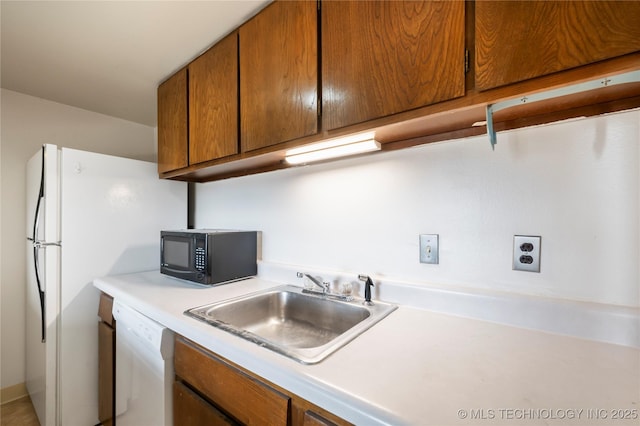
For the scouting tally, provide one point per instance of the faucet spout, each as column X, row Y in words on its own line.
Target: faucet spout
column 326, row 289
column 314, row 280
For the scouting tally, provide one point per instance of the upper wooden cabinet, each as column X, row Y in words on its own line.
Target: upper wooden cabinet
column 213, row 102
column 519, row 40
column 172, row 123
column 399, row 68
column 279, row 74
column 384, row 57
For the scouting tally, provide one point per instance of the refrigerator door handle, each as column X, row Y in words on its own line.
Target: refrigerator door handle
column 40, row 292
column 36, row 247
column 42, row 244
column 36, row 216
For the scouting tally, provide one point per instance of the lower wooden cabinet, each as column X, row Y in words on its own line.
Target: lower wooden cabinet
column 241, row 396
column 313, row 419
column 213, row 391
column 190, row 409
column 106, row 361
column 310, row 417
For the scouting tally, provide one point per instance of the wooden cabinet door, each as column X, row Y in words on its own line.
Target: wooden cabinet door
column 172, row 123
column 518, row 40
column 189, row 409
column 106, row 360
column 213, row 102
column 314, row 419
column 304, row 413
column 384, row 57
column 105, row 306
column 106, row 373
column 244, row 398
column 279, row 74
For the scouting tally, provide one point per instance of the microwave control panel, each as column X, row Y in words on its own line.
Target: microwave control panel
column 200, row 258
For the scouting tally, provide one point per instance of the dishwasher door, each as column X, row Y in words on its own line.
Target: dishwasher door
column 144, row 369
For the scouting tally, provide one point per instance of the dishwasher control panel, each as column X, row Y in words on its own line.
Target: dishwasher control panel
column 153, row 334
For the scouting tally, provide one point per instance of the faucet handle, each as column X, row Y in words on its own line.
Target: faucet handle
column 346, row 289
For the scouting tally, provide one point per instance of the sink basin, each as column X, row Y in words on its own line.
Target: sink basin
column 302, row 326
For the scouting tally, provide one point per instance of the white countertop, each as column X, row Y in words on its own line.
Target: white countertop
column 417, row 366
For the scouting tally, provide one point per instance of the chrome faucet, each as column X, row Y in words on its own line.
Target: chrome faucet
column 325, row 286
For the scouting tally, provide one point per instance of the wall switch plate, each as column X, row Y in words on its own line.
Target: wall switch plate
column 526, row 253
column 429, row 248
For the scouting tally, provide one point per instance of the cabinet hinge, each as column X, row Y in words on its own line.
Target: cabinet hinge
column 466, row 61
column 319, row 107
column 318, row 2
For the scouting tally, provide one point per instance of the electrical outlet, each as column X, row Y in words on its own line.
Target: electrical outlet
column 526, row 253
column 429, row 248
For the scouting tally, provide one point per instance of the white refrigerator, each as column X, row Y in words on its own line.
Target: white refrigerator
column 89, row 215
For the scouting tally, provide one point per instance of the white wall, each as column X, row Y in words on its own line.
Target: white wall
column 27, row 123
column 576, row 184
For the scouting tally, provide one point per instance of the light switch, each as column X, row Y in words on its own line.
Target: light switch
column 429, row 248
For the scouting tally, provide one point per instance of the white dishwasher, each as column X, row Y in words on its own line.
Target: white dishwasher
column 144, row 369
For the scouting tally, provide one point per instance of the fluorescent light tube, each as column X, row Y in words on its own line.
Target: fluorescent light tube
column 342, row 147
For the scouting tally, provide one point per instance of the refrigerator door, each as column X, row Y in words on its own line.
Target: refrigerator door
column 43, row 260
column 112, row 212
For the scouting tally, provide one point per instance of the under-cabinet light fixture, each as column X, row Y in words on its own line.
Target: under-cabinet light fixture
column 340, row 147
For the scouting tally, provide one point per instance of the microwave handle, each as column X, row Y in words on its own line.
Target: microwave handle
column 178, row 271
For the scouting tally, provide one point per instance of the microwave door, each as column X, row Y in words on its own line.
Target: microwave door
column 176, row 254
column 178, row 258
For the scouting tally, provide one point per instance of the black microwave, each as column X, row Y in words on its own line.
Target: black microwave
column 209, row 256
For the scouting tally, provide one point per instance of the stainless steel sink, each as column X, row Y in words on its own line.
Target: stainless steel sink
column 305, row 327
